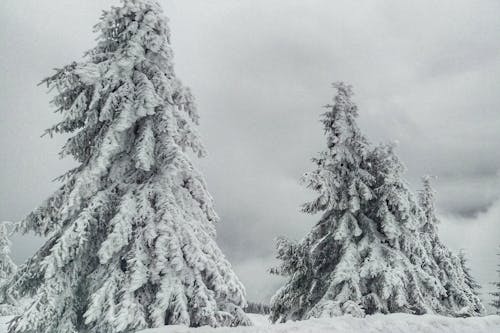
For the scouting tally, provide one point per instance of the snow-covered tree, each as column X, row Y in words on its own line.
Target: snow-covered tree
column 405, row 273
column 131, row 231
column 495, row 302
column 7, row 266
column 469, row 278
column 257, row 307
column 367, row 253
column 461, row 298
column 7, row 270
column 322, row 267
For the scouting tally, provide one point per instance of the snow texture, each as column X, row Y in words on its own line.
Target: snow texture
column 392, row 323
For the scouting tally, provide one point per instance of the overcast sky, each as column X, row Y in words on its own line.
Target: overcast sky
column 426, row 74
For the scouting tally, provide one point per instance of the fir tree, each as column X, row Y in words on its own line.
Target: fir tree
column 367, row 254
column 8, row 306
column 495, row 302
column 461, row 298
column 131, row 231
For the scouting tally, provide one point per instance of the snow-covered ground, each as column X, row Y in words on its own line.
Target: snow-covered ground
column 394, row 323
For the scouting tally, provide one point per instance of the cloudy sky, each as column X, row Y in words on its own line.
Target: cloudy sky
column 425, row 75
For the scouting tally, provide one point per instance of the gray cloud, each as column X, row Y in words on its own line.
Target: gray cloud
column 425, row 74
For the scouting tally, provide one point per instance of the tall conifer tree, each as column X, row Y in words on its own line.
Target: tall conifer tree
column 131, row 232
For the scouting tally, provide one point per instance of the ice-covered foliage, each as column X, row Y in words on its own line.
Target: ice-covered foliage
column 8, row 305
column 131, row 231
column 495, row 302
column 373, row 250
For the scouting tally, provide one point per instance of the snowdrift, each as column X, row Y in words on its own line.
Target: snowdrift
column 393, row 323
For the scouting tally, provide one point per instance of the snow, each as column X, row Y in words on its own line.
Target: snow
column 393, row 323
column 3, row 323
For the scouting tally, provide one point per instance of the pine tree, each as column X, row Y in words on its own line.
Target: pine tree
column 131, row 231
column 461, row 298
column 495, row 302
column 8, row 268
column 366, row 254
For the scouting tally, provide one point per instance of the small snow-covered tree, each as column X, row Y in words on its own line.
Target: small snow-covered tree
column 131, row 232
column 469, row 278
column 7, row 270
column 257, row 307
column 461, row 297
column 495, row 302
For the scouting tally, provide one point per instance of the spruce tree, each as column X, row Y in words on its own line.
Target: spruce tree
column 368, row 252
column 495, row 302
column 461, row 298
column 131, row 231
column 8, row 268
column 322, row 267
